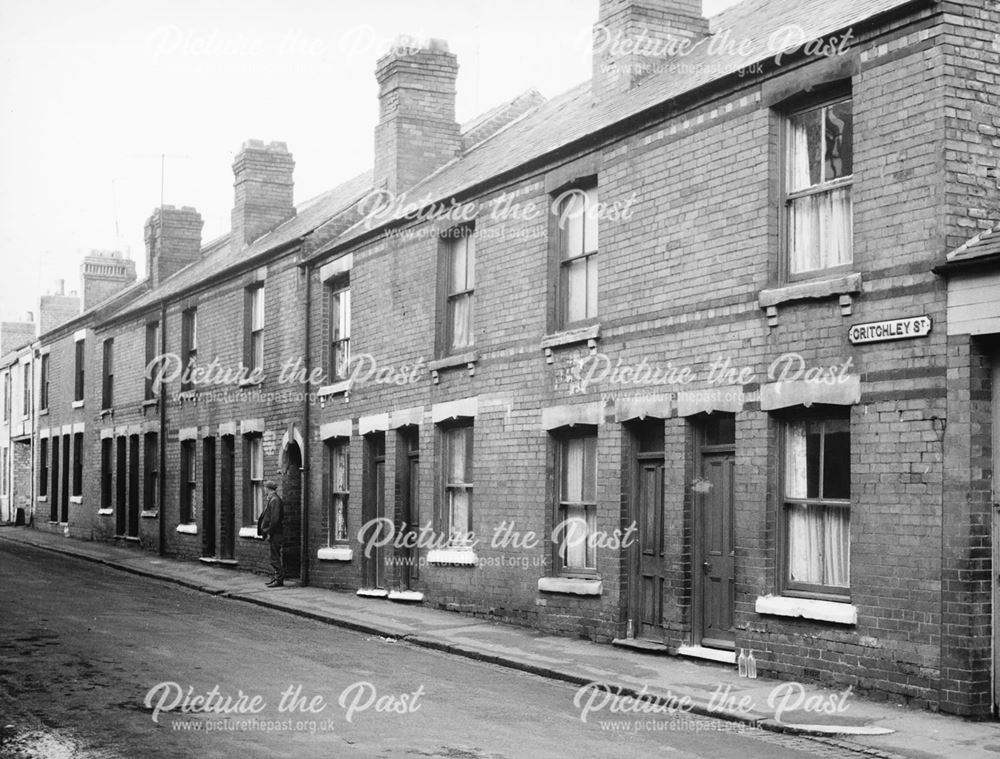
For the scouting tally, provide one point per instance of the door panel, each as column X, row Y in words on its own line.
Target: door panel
column 208, row 516
column 227, row 521
column 650, row 567
column 715, row 507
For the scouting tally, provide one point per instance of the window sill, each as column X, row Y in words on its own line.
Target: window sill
column 78, row 404
column 573, row 586
column 337, row 388
column 76, row 499
column 43, row 499
column 152, row 402
column 250, row 532
column 459, row 557
column 149, row 514
column 808, row 608
column 107, row 412
column 335, row 553
column 467, row 359
column 188, row 529
column 43, row 412
column 588, row 334
column 105, row 512
column 844, row 286
column 244, row 384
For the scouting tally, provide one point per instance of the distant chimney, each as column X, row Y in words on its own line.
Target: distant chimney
column 103, row 274
column 263, row 183
column 416, row 133
column 57, row 309
column 173, row 240
column 636, row 38
column 14, row 335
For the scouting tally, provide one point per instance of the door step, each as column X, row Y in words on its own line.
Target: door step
column 373, row 593
column 712, row 654
column 646, row 646
column 406, row 596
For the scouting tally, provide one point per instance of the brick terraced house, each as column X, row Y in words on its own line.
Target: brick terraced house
column 698, row 356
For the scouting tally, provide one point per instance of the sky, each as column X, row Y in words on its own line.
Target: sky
column 108, row 108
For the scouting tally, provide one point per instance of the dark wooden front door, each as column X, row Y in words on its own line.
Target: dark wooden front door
column 373, row 508
column 291, row 491
column 227, row 498
column 649, row 567
column 714, row 535
column 208, row 515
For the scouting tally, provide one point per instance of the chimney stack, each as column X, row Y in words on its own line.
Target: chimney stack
column 103, row 274
column 173, row 240
column 416, row 133
column 263, row 184
column 635, row 38
column 57, row 309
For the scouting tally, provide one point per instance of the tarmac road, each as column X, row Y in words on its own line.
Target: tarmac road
column 89, row 656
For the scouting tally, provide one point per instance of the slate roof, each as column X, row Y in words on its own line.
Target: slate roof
column 981, row 246
column 219, row 255
column 576, row 114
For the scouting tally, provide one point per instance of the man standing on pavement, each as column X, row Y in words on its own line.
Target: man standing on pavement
column 270, row 526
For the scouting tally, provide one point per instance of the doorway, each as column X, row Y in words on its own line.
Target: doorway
column 714, row 550
column 208, row 515
column 648, row 565
column 291, row 490
column 373, row 508
column 227, row 498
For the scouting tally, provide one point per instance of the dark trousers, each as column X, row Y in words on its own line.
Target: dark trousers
column 277, row 565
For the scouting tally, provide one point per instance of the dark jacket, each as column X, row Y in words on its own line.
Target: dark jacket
column 271, row 519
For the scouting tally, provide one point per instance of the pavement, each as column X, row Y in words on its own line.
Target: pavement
column 617, row 676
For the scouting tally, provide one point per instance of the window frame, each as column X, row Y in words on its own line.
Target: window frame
column 189, row 345
column 79, row 370
column 108, row 374
column 151, row 389
column 107, row 472
column 253, row 501
column 338, row 338
column 77, row 485
column 466, row 427
column 255, row 316
column 26, row 390
column 151, row 472
column 561, row 262
column 338, row 501
column 786, row 586
column 561, row 438
column 188, row 482
column 7, row 385
column 43, row 467
column 43, row 383
column 825, row 97
column 461, row 236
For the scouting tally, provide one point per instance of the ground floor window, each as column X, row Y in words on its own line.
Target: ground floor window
column 457, row 512
column 576, row 503
column 254, row 505
column 817, row 505
column 338, row 461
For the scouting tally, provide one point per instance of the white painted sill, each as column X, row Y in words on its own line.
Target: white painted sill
column 188, row 529
column 250, row 532
column 76, row 499
column 43, row 499
column 573, row 586
column 337, row 388
column 373, row 593
column 105, row 512
column 77, row 404
column 149, row 514
column 335, row 553
column 458, row 557
column 808, row 608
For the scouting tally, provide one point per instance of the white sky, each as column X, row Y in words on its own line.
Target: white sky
column 91, row 95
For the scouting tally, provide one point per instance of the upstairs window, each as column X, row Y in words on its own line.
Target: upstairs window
column 576, row 214
column 108, row 387
column 340, row 331
column 189, row 345
column 79, row 371
column 43, row 385
column 25, row 390
column 255, row 328
column 152, row 351
column 460, row 254
column 819, row 168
